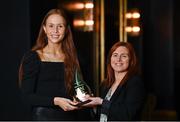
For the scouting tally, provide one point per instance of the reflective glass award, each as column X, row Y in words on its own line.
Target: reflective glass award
column 81, row 89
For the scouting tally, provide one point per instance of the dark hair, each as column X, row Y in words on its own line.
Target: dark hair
column 133, row 64
column 71, row 61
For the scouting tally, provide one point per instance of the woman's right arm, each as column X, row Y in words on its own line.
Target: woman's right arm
column 30, row 67
column 65, row 104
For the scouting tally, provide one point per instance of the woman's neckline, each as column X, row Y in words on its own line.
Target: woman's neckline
column 44, row 61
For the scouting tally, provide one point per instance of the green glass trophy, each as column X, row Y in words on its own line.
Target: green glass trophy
column 81, row 89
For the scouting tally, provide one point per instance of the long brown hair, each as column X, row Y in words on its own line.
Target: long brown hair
column 133, row 64
column 71, row 61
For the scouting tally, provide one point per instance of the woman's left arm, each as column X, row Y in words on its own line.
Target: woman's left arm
column 129, row 105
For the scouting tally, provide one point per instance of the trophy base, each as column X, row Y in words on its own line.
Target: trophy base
column 82, row 103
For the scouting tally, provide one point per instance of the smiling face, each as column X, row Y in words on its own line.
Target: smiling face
column 55, row 28
column 120, row 59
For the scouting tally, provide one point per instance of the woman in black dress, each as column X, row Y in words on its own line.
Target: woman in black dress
column 47, row 71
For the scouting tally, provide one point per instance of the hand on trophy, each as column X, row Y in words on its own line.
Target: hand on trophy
column 94, row 101
column 65, row 104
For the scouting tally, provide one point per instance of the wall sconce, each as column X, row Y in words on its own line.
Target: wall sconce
column 79, row 6
column 133, row 23
column 134, row 15
column 132, row 29
column 83, row 22
column 83, row 14
column 89, row 5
